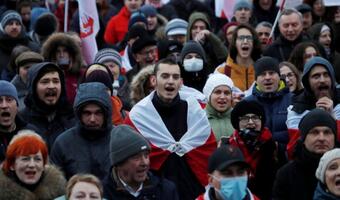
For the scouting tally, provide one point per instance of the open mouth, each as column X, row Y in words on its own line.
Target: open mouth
column 169, row 89
column 5, row 114
column 51, row 93
column 30, row 173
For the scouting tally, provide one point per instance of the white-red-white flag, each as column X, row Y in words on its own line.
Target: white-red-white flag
column 89, row 27
column 224, row 8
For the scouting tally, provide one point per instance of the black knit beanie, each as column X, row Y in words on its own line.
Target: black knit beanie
column 246, row 107
column 316, row 117
column 266, row 63
column 101, row 77
column 192, row 47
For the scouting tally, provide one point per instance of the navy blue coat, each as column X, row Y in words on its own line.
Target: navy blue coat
column 275, row 106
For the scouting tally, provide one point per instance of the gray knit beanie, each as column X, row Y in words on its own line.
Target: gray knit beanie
column 324, row 162
column 8, row 16
column 8, row 89
column 126, row 142
column 108, row 54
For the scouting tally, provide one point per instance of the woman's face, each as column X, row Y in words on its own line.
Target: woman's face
column 85, row 190
column 220, row 98
column 290, row 78
column 29, row 168
column 318, row 8
column 332, row 177
column 310, row 52
column 229, row 33
column 244, row 43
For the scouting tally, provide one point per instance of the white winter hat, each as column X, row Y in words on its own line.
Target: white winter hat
column 214, row 81
column 324, row 162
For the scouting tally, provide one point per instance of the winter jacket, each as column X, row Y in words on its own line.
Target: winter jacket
column 50, row 121
column 6, row 137
column 117, row 27
column 322, row 193
column 51, row 185
column 22, row 90
column 84, row 150
column 296, row 179
column 262, row 160
column 242, row 76
column 281, row 47
column 219, row 122
column 7, row 44
column 216, row 52
column 275, row 105
column 154, row 188
column 74, row 72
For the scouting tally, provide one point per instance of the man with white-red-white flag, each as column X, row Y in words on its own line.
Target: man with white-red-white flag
column 178, row 131
column 89, row 27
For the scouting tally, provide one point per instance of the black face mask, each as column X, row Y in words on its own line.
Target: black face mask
column 249, row 137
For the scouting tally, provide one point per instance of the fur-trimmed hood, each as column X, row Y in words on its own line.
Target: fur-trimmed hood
column 138, row 83
column 50, row 46
column 51, row 186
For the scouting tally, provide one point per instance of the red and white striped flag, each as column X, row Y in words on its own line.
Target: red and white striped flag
column 89, row 27
column 224, row 8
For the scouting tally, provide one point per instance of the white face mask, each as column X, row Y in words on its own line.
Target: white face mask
column 193, row 64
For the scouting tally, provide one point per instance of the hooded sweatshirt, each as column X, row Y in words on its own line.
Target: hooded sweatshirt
column 87, row 149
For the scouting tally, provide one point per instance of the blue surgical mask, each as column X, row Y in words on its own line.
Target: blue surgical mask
column 234, row 188
column 193, row 64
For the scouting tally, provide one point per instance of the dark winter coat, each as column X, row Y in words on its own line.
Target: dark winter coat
column 281, row 47
column 275, row 106
column 50, row 121
column 296, row 179
column 80, row 150
column 22, row 90
column 154, row 188
column 7, row 44
column 6, row 137
column 51, row 185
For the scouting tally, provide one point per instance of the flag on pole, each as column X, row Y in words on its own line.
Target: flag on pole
column 271, row 36
column 224, row 8
column 89, row 27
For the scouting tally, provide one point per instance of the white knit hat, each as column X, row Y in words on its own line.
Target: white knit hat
column 215, row 80
column 324, row 162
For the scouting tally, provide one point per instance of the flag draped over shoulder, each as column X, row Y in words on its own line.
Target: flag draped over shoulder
column 224, row 8
column 89, row 27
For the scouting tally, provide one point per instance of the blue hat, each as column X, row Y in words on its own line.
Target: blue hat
column 242, row 4
column 148, row 10
column 8, row 89
column 137, row 16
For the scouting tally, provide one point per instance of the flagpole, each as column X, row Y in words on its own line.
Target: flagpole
column 276, row 21
column 66, row 16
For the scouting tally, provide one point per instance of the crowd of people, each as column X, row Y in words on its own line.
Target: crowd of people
column 177, row 103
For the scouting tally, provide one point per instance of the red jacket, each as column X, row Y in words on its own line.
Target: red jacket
column 117, row 27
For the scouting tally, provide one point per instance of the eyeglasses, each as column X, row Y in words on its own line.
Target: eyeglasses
column 245, row 37
column 246, row 118
column 289, row 75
